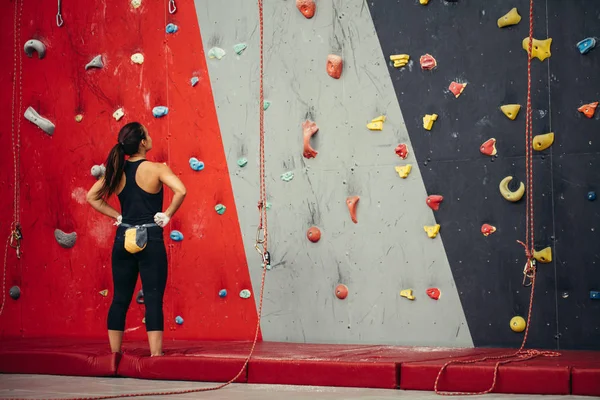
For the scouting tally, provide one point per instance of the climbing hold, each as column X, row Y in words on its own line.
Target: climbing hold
column 195, row 164
column 404, row 170
column 402, row 151
column 407, row 293
column 313, row 234
column 95, row 63
column 136, row 3
column 427, row 62
column 542, row 142
column 287, row 176
column 104, row 292
column 588, row 109
column 432, row 231
column 242, row 162
column 434, row 293
column 510, row 18
column 137, row 58
column 457, row 88
column 266, row 104
column 540, row 49
column 428, row 121
column 239, row 48
column 433, row 201
column 32, row 116
column 334, row 66
column 400, row 60
column 511, row 110
column 171, row 28
column 309, row 128
column 341, row 291
column 98, row 171
column 245, row 294
column 591, row 196
column 352, row 203
column 507, row 193
column 306, row 7
column 487, row 229
column 194, row 81
column 176, row 236
column 220, row 209
column 140, row 297
column 78, row 118
column 424, row 2
column 216, row 52
column 594, row 295
column 14, row 292
column 543, row 256
column 118, row 114
column 160, row 111
column 268, row 206
column 517, row 324
column 35, row 45
column 376, row 124
column 144, row 320
column 586, row 44
column 66, row 240
column 222, row 293
column 489, row 147
column 178, row 320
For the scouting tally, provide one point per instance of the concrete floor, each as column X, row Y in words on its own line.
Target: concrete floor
column 54, row 387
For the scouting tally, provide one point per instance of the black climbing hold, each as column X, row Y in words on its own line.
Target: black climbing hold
column 140, row 297
column 267, row 258
column 15, row 292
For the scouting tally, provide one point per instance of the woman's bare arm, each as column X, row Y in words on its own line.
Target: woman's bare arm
column 168, row 178
column 100, row 205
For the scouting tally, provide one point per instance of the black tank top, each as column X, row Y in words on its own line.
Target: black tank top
column 138, row 206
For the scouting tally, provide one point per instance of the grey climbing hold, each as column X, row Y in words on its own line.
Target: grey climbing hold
column 242, row 162
column 95, row 63
column 216, row 52
column 66, row 240
column 239, row 48
column 172, row 28
column 266, row 104
column 245, row 294
column 98, row 171
column 140, row 297
column 15, row 292
column 160, row 111
column 42, row 123
column 287, row 176
column 194, row 81
column 35, row 45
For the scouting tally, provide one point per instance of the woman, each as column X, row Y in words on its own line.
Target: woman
column 138, row 246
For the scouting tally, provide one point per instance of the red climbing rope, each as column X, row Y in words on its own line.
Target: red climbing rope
column 530, row 271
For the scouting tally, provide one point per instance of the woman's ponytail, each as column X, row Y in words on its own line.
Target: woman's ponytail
column 115, row 164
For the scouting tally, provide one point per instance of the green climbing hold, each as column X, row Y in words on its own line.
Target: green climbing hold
column 266, row 104
column 239, row 48
column 287, row 176
column 242, row 162
column 220, row 209
column 216, row 52
column 268, row 205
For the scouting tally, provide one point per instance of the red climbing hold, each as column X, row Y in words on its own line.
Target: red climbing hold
column 434, row 201
column 457, row 88
column 334, row 66
column 309, row 128
column 341, row 291
column 351, row 202
column 487, row 229
column 428, row 62
column 313, row 234
column 434, row 293
column 402, row 151
column 489, row 147
column 306, row 7
column 588, row 109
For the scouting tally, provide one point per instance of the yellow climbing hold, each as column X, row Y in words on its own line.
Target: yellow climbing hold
column 428, row 121
column 510, row 18
column 424, row 2
column 432, row 231
column 400, row 60
column 377, row 123
column 539, row 48
column 542, row 142
column 507, row 193
column 543, row 256
column 517, row 324
column 407, row 293
column 104, row 292
column 511, row 110
column 78, row 118
column 404, row 171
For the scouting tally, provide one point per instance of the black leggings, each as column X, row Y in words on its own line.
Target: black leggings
column 151, row 264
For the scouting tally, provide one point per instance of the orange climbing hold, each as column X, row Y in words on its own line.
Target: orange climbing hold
column 334, row 66
column 427, row 62
column 309, row 128
column 457, row 88
column 489, row 147
column 314, row 234
column 434, row 201
column 306, row 7
column 352, row 202
column 341, row 291
column 434, row 293
column 588, row 109
column 402, row 151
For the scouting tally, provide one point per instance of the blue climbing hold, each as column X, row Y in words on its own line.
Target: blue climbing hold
column 172, row 28
column 222, row 293
column 196, row 164
column 176, row 236
column 194, row 80
column 160, row 111
column 220, row 209
column 591, row 196
column 178, row 320
column 594, row 295
column 586, row 45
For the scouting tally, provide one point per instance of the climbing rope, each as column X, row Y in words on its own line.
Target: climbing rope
column 530, row 269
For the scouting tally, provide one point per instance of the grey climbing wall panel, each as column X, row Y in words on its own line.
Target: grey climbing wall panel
column 388, row 249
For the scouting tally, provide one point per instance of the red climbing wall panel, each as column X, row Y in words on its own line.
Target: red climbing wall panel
column 60, row 287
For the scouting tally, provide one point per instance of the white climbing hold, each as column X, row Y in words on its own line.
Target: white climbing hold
column 95, row 63
column 42, row 123
column 35, row 45
column 66, row 240
column 245, row 294
column 239, row 48
column 118, row 114
column 137, row 58
column 136, row 3
column 98, row 171
column 194, row 81
column 216, row 52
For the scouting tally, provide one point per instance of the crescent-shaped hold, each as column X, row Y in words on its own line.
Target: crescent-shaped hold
column 507, row 193
column 35, row 45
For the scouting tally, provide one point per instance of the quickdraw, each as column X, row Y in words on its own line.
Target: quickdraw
column 529, row 272
column 59, row 19
column 15, row 239
column 172, row 7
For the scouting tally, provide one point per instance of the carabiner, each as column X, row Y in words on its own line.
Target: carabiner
column 172, row 7
column 528, row 272
column 59, row 19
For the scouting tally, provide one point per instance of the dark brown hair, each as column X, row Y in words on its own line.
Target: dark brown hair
column 128, row 143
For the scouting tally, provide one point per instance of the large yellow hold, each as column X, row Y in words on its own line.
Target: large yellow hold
column 407, row 293
column 432, row 231
column 400, row 60
column 539, row 48
column 518, row 324
column 542, row 142
column 543, row 256
column 428, row 121
column 404, row 171
column 376, row 124
column 510, row 18
column 511, row 110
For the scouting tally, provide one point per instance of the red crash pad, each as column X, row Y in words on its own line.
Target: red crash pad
column 60, row 356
